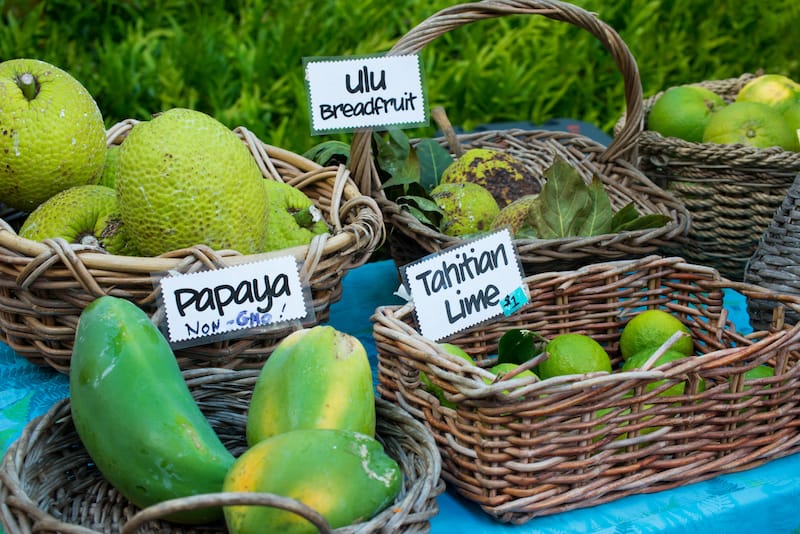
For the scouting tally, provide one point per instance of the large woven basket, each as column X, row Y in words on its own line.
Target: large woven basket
column 522, row 447
column 48, row 483
column 731, row 191
column 45, row 286
column 409, row 239
column 775, row 264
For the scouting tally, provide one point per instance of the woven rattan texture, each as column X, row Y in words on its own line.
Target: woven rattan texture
column 731, row 191
column 522, row 448
column 409, row 239
column 47, row 479
column 45, row 286
column 775, row 264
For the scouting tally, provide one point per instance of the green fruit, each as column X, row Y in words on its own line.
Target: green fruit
column 135, row 414
column 792, row 117
column 503, row 175
column 515, row 215
column 52, row 135
column 467, row 208
column 504, row 368
column 108, row 177
column 185, row 179
column 345, row 476
column 573, row 353
column 84, row 214
column 429, row 386
column 750, row 123
column 316, row 377
column 775, row 90
column 652, row 328
column 293, row 219
column 684, row 112
column 637, row 360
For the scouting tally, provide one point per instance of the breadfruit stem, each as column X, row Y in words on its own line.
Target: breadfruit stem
column 440, row 117
column 28, row 85
column 306, row 217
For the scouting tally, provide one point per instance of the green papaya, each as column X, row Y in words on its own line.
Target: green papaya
column 135, row 414
column 316, row 377
column 345, row 476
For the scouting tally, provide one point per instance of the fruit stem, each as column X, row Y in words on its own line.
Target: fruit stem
column 440, row 117
column 306, row 217
column 28, row 85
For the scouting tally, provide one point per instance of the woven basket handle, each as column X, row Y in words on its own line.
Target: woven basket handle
column 211, row 500
column 624, row 143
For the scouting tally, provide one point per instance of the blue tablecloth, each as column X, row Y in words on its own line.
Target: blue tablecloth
column 758, row 500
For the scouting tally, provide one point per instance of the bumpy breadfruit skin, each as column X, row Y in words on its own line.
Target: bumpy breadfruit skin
column 499, row 172
column 515, row 214
column 467, row 208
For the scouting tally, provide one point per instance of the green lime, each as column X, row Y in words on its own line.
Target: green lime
column 571, row 354
column 683, row 112
column 775, row 90
column 651, row 328
column 429, row 386
column 640, row 358
column 752, row 124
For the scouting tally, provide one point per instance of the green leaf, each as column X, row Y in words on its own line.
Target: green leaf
column 598, row 221
column 329, row 153
column 624, row 216
column 564, row 203
column 519, row 345
column 433, row 160
column 391, row 151
column 651, row 220
column 423, row 209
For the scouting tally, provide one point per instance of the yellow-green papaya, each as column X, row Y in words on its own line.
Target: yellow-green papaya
column 135, row 414
column 345, row 476
column 317, row 377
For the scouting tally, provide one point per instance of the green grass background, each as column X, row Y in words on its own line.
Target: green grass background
column 242, row 61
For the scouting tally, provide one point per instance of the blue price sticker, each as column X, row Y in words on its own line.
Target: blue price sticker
column 514, row 301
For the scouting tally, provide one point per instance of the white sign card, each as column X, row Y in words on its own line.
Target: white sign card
column 352, row 92
column 466, row 285
column 229, row 302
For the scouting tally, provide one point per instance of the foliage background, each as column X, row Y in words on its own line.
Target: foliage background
column 242, row 61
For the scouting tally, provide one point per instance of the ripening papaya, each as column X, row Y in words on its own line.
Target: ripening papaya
column 135, row 414
column 317, row 377
column 346, row 476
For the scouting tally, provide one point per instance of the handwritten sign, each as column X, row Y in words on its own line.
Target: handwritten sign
column 231, row 301
column 465, row 285
column 348, row 93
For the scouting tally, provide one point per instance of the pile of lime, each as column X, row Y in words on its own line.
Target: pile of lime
column 764, row 113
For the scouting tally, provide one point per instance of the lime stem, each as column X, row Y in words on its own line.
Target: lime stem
column 306, row 217
column 28, row 85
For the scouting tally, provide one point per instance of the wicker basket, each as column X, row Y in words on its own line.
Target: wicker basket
column 731, row 191
column 409, row 239
column 523, row 448
column 45, row 286
column 775, row 264
column 48, row 484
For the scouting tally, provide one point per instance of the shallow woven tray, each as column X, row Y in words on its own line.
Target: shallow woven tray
column 775, row 264
column 47, row 483
column 409, row 239
column 44, row 286
column 732, row 191
column 576, row 441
